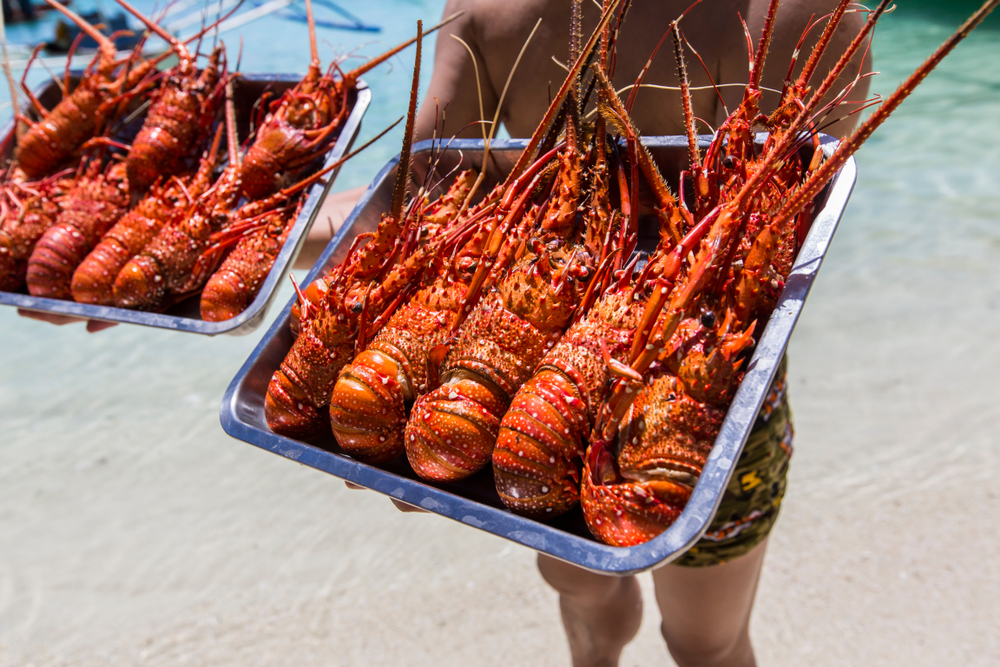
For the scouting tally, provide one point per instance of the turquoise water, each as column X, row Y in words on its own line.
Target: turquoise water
column 132, row 526
column 929, row 177
column 281, row 46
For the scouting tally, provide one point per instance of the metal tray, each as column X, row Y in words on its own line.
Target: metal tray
column 185, row 316
column 474, row 501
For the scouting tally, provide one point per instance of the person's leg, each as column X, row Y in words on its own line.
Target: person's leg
column 601, row 613
column 706, row 610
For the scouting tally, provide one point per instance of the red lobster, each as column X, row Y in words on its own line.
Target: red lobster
column 338, row 309
column 83, row 113
column 302, row 123
column 634, row 486
column 99, row 198
column 452, row 430
column 181, row 115
column 94, row 279
column 21, row 229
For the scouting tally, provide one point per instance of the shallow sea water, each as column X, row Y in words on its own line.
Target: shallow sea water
column 134, row 531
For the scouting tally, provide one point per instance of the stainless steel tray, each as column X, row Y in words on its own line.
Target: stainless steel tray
column 474, row 501
column 185, row 316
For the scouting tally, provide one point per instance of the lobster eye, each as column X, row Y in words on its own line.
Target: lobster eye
column 356, row 307
column 708, row 319
column 729, row 162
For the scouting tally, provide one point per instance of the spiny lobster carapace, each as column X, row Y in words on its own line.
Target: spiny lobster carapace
column 452, row 430
column 181, row 115
column 335, row 310
column 653, row 435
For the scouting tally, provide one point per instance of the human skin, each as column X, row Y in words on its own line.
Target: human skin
column 705, row 611
column 495, row 31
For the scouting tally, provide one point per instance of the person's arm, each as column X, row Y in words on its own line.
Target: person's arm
column 451, row 94
column 449, row 97
column 792, row 18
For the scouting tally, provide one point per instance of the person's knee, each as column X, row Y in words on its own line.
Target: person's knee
column 572, row 581
column 708, row 649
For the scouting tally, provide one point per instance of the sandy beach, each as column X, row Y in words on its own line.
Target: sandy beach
column 133, row 531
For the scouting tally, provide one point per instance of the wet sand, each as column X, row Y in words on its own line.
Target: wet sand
column 133, row 531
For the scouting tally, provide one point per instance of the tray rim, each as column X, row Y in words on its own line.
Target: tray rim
column 585, row 553
column 251, row 318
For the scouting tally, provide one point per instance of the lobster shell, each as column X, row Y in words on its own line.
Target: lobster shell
column 88, row 212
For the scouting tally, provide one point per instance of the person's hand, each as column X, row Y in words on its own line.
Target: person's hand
column 400, row 505
column 93, row 326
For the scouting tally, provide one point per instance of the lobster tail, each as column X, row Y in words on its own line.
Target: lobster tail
column 536, row 463
column 303, row 384
column 94, row 279
column 368, row 410
column 56, row 255
column 452, row 430
column 140, row 285
column 225, row 296
column 627, row 514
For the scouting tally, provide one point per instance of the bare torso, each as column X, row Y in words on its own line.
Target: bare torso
column 496, row 30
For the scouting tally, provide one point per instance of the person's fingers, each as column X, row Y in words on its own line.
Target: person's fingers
column 93, row 326
column 400, row 505
column 48, row 317
column 403, row 507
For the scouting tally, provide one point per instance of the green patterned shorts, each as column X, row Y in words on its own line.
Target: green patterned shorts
column 751, row 502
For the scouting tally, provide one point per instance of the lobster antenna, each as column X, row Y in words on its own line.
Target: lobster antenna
column 682, row 74
column 849, row 146
column 375, row 62
column 762, row 47
column 232, row 135
column 314, row 51
column 403, row 170
column 790, row 135
column 560, row 96
column 182, row 53
column 810, row 67
column 103, row 43
column 178, row 46
column 575, row 36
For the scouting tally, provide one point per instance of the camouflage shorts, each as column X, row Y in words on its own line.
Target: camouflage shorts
column 751, row 502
